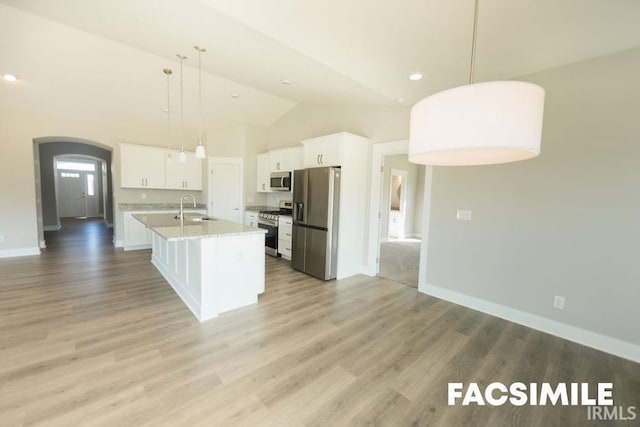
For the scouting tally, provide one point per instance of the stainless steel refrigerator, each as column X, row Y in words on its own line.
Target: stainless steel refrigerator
column 316, row 197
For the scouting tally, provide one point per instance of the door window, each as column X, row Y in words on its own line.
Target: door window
column 91, row 185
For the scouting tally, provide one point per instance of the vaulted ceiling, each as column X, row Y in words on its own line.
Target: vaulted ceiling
column 341, row 51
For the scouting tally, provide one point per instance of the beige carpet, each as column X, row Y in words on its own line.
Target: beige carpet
column 399, row 261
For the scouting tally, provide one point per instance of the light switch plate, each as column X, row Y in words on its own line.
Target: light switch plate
column 463, row 215
column 558, row 302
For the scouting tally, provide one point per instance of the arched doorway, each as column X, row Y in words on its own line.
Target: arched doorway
column 49, row 150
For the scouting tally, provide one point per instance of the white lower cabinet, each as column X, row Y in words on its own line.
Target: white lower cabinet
column 285, row 232
column 251, row 218
column 136, row 235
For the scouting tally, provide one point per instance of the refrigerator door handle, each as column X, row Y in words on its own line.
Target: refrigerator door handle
column 298, row 212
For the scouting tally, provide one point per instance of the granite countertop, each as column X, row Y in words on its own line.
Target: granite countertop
column 158, row 206
column 169, row 228
column 258, row 208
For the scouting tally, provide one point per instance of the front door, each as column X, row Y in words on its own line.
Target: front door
column 77, row 191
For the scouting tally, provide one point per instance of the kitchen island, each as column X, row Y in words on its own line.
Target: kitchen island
column 213, row 265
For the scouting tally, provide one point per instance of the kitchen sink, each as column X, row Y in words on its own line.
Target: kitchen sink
column 200, row 218
column 196, row 218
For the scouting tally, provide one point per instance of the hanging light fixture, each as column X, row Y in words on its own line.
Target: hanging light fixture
column 168, row 72
column 182, row 157
column 200, row 151
column 477, row 124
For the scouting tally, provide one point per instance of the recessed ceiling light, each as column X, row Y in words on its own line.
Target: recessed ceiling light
column 415, row 76
column 10, row 77
column 235, row 95
column 286, row 82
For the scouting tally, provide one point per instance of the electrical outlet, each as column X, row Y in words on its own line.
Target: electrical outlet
column 143, row 196
column 463, row 215
column 558, row 302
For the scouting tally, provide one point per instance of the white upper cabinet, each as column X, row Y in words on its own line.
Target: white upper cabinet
column 324, row 150
column 263, row 173
column 286, row 159
column 141, row 167
column 184, row 176
column 281, row 160
column 147, row 167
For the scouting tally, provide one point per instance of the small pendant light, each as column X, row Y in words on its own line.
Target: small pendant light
column 168, row 72
column 182, row 157
column 200, row 151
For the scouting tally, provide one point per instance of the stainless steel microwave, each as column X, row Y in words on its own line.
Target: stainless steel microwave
column 280, row 181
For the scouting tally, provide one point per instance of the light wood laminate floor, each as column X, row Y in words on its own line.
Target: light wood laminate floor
column 94, row 336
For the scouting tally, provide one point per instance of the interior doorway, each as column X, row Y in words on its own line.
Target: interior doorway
column 397, row 209
column 226, row 193
column 89, row 173
column 400, row 228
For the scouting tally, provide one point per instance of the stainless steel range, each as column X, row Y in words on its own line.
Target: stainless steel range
column 268, row 220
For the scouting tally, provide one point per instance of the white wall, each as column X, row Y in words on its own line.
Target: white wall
column 376, row 122
column 566, row 223
column 241, row 141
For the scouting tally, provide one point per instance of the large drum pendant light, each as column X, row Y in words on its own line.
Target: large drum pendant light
column 477, row 124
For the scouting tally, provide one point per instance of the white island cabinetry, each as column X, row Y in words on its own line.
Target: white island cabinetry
column 213, row 265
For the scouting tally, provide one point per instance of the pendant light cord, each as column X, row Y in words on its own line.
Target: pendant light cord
column 200, row 50
column 200, row 96
column 182, row 58
column 168, row 73
column 473, row 42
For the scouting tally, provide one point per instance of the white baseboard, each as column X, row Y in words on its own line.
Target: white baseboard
column 52, row 227
column 595, row 340
column 117, row 243
column 10, row 253
column 368, row 270
column 136, row 248
column 43, row 244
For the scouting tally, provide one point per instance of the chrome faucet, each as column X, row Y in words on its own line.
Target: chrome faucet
column 181, row 214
